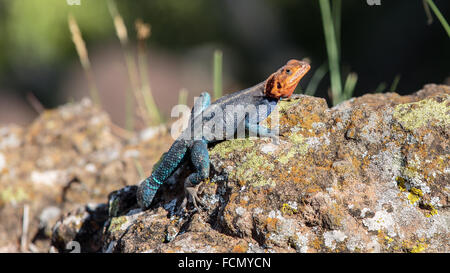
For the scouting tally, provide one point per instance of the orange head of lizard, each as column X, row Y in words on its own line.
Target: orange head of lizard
column 282, row 83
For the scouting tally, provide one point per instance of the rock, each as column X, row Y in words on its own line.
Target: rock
column 66, row 158
column 122, row 201
column 368, row 175
column 47, row 220
column 81, row 229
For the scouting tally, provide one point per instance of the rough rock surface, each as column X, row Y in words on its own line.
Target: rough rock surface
column 66, row 158
column 369, row 175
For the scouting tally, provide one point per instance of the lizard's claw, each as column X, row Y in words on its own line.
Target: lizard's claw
column 191, row 195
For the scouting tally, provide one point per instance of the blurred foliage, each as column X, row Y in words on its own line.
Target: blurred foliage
column 35, row 31
column 36, row 47
column 179, row 23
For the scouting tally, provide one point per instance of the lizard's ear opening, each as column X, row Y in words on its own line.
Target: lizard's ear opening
column 269, row 86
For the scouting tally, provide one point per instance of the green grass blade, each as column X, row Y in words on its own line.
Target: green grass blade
column 380, row 88
column 336, row 10
column 350, row 84
column 218, row 56
column 143, row 31
column 440, row 17
column 183, row 96
column 395, row 83
column 426, row 7
column 332, row 51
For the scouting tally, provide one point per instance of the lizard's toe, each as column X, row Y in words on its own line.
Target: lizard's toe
column 191, row 196
column 182, row 208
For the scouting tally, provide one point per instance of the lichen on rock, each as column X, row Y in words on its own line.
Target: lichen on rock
column 417, row 114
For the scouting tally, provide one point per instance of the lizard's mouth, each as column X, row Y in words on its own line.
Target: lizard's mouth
column 295, row 79
column 298, row 75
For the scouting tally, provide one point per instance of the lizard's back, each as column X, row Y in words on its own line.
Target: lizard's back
column 223, row 117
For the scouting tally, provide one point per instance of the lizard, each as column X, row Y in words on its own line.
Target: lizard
column 192, row 144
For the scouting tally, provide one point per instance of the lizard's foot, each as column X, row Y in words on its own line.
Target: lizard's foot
column 191, row 195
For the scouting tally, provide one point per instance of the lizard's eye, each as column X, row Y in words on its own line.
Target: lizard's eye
column 288, row 71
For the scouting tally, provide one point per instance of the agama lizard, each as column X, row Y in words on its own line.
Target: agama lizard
column 189, row 146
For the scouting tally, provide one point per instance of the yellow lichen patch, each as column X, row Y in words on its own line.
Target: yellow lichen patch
column 299, row 148
column 417, row 192
column 286, row 157
column 413, row 198
column 419, row 248
column 431, row 213
column 414, row 195
column 285, row 105
column 282, row 107
column 287, row 209
column 297, row 138
column 207, row 181
column 225, row 147
column 417, row 114
column 388, row 239
column 431, row 210
column 116, row 223
column 255, row 169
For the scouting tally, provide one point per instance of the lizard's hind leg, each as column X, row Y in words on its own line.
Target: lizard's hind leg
column 200, row 161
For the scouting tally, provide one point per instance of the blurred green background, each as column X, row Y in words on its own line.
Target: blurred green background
column 386, row 44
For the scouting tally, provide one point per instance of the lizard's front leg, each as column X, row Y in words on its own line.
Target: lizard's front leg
column 262, row 131
column 200, row 161
column 200, row 104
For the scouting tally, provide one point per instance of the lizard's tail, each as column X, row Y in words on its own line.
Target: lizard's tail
column 169, row 163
